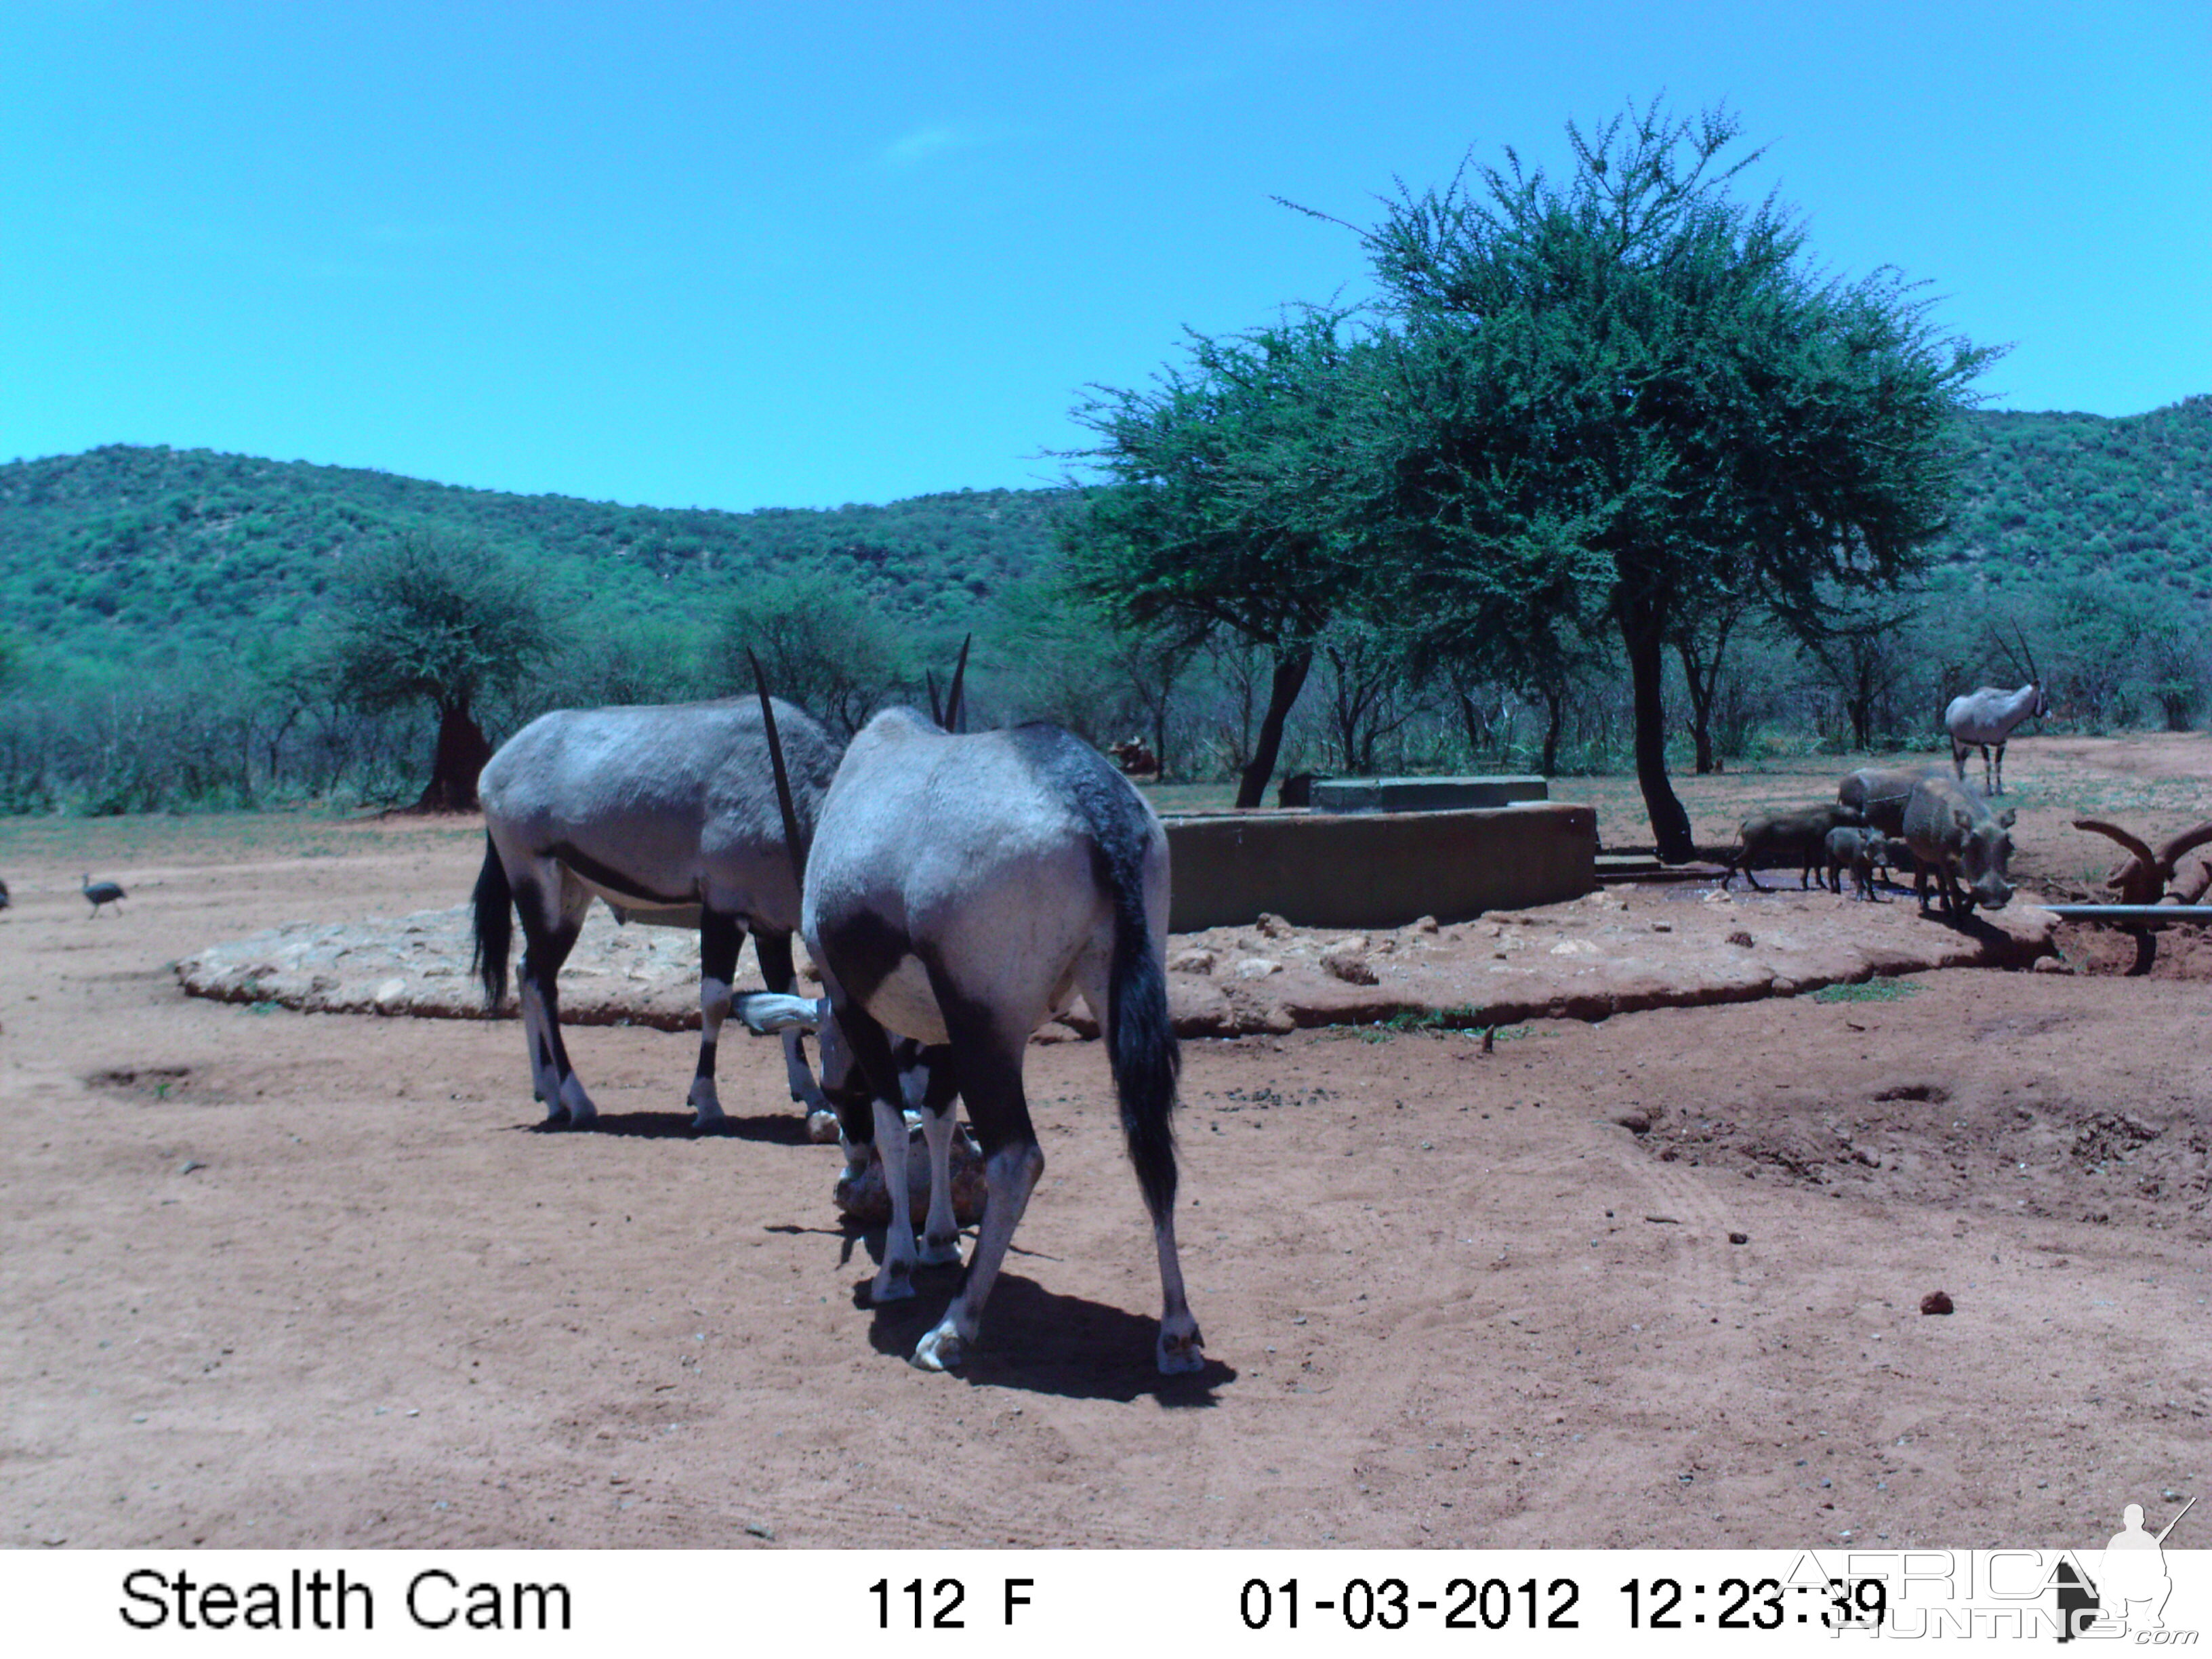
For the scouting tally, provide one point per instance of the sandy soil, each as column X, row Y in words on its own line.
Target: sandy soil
column 270, row 1278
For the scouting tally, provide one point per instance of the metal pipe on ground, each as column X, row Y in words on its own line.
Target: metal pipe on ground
column 2130, row 912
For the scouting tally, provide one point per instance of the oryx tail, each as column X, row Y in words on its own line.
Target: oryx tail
column 495, row 926
column 1140, row 1041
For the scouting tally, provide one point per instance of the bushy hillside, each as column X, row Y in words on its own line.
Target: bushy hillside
column 135, row 555
column 2050, row 496
column 151, row 554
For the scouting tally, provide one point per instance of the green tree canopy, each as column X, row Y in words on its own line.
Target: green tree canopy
column 1228, row 507
column 446, row 623
column 823, row 645
column 1634, row 387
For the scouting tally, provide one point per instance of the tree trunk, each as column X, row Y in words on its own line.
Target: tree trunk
column 462, row 753
column 1555, row 717
column 1288, row 680
column 1701, row 706
column 1642, row 632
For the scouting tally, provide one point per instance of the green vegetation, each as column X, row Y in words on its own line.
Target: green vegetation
column 1872, row 990
column 1607, row 479
column 1625, row 406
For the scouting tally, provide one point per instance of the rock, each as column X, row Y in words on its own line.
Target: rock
column 390, row 996
column 1636, row 1124
column 1347, row 961
column 1935, row 1302
column 1739, row 1239
column 1273, row 927
column 1193, row 961
column 1425, row 925
column 1257, row 967
column 2051, row 965
column 1741, row 937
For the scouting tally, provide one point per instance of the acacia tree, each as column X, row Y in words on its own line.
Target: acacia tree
column 825, row 648
column 1223, row 512
column 423, row 620
column 1631, row 379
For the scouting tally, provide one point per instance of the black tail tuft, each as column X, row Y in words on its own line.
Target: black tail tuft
column 1141, row 1040
column 495, row 904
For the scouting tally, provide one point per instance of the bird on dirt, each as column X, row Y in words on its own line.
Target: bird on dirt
column 101, row 892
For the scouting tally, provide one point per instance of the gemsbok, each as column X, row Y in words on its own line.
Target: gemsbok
column 671, row 809
column 1986, row 718
column 958, row 891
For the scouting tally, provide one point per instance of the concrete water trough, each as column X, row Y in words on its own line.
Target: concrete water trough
column 1372, row 864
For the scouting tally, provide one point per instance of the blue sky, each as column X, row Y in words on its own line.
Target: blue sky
column 742, row 256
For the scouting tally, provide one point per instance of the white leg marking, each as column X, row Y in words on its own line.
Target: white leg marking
column 1010, row 1175
column 581, row 1109
column 713, row 1008
column 895, row 1278
column 821, row 1116
column 940, row 1234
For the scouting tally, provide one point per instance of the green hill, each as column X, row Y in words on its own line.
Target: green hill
column 2046, row 497
column 146, row 556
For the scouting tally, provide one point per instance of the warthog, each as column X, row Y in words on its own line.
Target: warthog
column 1954, row 834
column 1878, row 794
column 1783, row 837
column 1861, row 852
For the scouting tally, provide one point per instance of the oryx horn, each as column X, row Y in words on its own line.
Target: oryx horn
column 791, row 838
column 936, row 708
column 2034, row 674
column 951, row 721
column 1997, row 639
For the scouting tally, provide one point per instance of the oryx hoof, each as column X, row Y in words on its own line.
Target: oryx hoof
column 822, row 1126
column 940, row 1252
column 1181, row 1352
column 941, row 1350
column 894, row 1282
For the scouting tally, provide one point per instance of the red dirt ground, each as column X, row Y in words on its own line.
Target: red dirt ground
column 268, row 1278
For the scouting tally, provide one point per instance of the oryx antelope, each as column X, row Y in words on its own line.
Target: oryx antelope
column 671, row 809
column 1986, row 718
column 958, row 891
column 1956, row 836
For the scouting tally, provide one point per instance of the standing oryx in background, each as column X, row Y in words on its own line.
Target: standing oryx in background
column 1987, row 717
column 671, row 809
column 958, row 891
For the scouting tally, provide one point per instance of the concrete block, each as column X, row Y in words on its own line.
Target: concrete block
column 1376, row 869
column 1424, row 794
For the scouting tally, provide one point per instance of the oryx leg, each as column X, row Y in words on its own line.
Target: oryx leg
column 721, row 936
column 778, row 974
column 939, row 1106
column 551, row 904
column 1181, row 1347
column 879, row 1121
column 988, row 1045
column 1997, row 788
column 1958, row 753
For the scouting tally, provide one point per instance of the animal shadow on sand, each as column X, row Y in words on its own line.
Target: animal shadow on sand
column 772, row 1129
column 1045, row 1343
